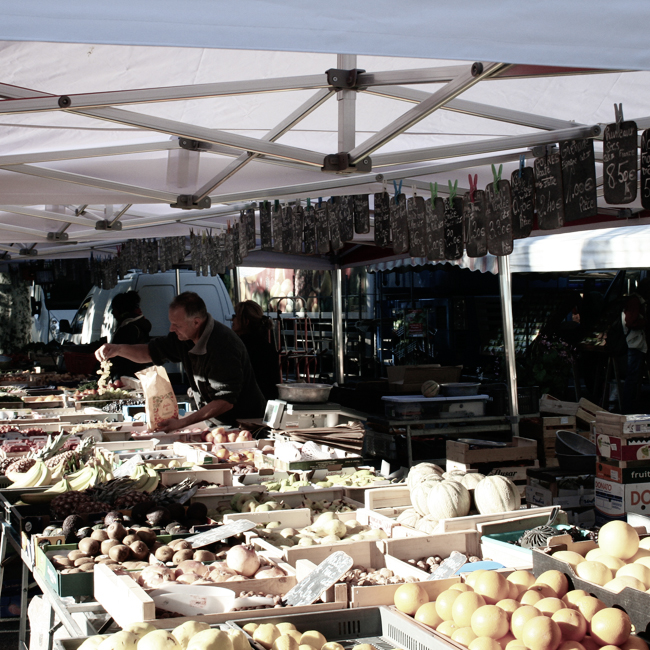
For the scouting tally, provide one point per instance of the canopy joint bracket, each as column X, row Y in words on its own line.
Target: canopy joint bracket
column 105, row 224
column 191, row 202
column 344, row 79
column 342, row 163
column 57, row 236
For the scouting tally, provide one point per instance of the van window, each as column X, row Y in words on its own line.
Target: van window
column 216, row 300
column 154, row 302
column 77, row 324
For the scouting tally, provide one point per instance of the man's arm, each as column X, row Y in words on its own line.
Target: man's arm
column 212, row 409
column 138, row 353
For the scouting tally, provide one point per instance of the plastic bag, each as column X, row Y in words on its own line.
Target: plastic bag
column 159, row 399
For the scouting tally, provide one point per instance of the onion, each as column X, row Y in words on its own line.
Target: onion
column 236, row 578
column 274, row 572
column 192, row 566
column 222, row 567
column 243, row 559
column 188, row 578
column 153, row 576
column 217, row 576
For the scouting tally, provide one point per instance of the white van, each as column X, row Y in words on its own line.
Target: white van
column 94, row 319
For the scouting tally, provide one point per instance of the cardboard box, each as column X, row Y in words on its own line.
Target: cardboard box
column 409, row 379
column 622, row 423
column 541, row 496
column 616, row 499
column 622, row 471
column 623, row 446
column 518, row 449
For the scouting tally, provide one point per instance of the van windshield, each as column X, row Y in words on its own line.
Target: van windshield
column 77, row 324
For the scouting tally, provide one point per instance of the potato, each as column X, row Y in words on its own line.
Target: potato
column 87, row 568
column 120, row 553
column 181, row 556
column 204, row 556
column 74, row 555
column 164, row 554
column 107, row 545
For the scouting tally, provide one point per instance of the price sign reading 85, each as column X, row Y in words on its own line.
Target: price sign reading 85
column 620, row 162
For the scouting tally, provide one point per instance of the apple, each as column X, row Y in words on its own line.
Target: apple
column 244, row 436
column 221, row 453
column 207, row 436
column 219, row 437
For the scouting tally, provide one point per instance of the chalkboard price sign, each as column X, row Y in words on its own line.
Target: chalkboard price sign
column 346, row 214
column 399, row 224
column 228, row 251
column 415, row 212
column 578, row 179
column 320, row 579
column 236, row 250
column 523, row 202
column 434, row 229
column 620, row 162
column 645, row 169
column 549, row 198
column 361, row 214
column 309, row 230
column 335, row 224
column 382, row 219
column 454, row 237
column 475, row 224
column 323, row 228
column 220, row 263
column 249, row 220
column 298, row 229
column 243, row 244
column 276, row 216
column 498, row 213
column 287, row 228
column 266, row 227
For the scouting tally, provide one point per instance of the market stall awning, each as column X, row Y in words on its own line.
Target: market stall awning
column 599, row 33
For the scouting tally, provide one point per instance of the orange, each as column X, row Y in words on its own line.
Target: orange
column 571, row 645
column 611, row 562
column 471, row 576
column 594, row 572
column 544, row 590
column 521, row 617
column 492, row 586
column 427, row 615
column 610, row 626
column 638, row 571
column 548, row 606
column 642, row 552
column 484, row 643
column 530, row 597
column 570, row 557
column 644, row 560
column 573, row 624
column 541, row 633
column 410, row 597
column 515, row 645
column 514, row 590
column 461, row 586
column 556, row 580
column 622, row 582
column 572, row 596
column 523, row 579
column 588, row 606
column 589, row 643
column 634, row 643
column 464, row 606
column 594, row 553
column 609, row 647
column 491, row 621
column 619, row 539
column 463, row 635
column 505, row 640
column 444, row 602
column 508, row 605
column 447, row 628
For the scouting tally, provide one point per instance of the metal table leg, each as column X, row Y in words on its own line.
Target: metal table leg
column 3, row 553
column 51, row 628
column 24, row 589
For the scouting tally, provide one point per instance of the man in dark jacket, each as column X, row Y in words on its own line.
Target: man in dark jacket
column 215, row 360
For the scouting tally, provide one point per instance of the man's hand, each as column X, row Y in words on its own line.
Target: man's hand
column 107, row 351
column 172, row 424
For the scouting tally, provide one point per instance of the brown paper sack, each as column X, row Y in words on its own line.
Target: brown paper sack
column 159, row 399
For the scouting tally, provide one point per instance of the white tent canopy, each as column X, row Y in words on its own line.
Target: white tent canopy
column 596, row 33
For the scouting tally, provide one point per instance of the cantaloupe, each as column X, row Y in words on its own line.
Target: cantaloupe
column 430, row 388
column 447, row 499
column 496, row 494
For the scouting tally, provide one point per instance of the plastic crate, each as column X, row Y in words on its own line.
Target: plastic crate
column 379, row 445
column 80, row 363
column 382, row 627
column 528, row 399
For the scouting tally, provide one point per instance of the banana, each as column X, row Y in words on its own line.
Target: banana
column 45, row 478
column 83, row 481
column 140, row 483
column 57, row 474
column 46, row 496
column 29, row 478
column 152, row 483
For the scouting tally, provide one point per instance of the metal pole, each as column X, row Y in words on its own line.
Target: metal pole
column 347, row 106
column 235, row 285
column 337, row 324
column 178, row 281
column 505, row 286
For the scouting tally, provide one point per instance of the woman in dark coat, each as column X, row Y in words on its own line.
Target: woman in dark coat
column 132, row 328
column 255, row 330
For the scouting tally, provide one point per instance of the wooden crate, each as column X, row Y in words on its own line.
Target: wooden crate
column 128, row 603
column 396, row 497
column 222, row 477
column 464, row 541
column 550, row 404
column 386, row 519
column 514, row 472
column 518, row 449
column 472, row 522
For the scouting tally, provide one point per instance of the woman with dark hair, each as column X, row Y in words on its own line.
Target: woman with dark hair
column 255, row 330
column 132, row 328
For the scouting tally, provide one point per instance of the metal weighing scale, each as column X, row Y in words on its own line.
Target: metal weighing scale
column 284, row 415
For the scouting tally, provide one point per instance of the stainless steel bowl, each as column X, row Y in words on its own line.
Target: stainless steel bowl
column 313, row 393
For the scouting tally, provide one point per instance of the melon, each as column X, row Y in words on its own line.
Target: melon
column 427, row 525
column 422, row 471
column 420, row 494
column 453, row 475
column 409, row 517
column 471, row 479
column 496, row 494
column 447, row 499
column 430, row 388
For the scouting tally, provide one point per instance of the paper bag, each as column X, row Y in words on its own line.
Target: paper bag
column 159, row 399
